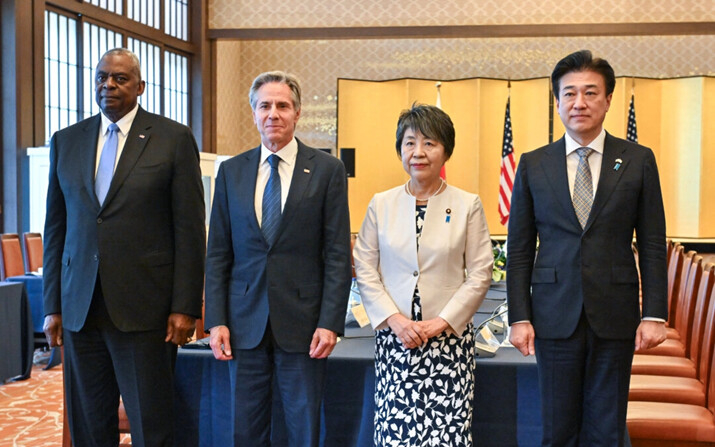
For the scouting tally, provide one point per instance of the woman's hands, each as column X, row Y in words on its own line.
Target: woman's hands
column 413, row 334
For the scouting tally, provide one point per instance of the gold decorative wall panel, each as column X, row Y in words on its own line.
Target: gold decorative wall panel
column 320, row 63
column 341, row 13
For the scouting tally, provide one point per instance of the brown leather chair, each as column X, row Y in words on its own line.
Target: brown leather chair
column 685, row 314
column 675, row 265
column 12, row 263
column 682, row 389
column 668, row 365
column 33, row 251
column 660, row 424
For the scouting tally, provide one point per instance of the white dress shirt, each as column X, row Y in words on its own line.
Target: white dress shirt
column 287, row 154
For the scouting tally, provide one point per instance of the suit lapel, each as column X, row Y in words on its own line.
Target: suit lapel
column 137, row 139
column 302, row 173
column 88, row 154
column 247, row 176
column 556, row 174
column 609, row 176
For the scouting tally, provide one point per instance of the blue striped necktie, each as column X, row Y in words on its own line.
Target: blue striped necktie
column 272, row 202
column 105, row 171
column 583, row 187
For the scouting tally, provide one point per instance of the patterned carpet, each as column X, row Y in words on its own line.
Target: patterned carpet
column 31, row 410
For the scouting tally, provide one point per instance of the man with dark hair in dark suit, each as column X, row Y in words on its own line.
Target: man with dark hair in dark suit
column 123, row 259
column 575, row 302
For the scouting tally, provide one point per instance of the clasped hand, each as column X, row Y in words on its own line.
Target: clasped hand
column 413, row 334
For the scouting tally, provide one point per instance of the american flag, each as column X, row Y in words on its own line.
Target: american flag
column 632, row 133
column 506, row 180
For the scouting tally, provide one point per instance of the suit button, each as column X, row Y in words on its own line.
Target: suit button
column 95, row 257
column 99, row 220
column 415, row 273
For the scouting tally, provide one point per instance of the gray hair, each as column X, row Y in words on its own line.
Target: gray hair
column 125, row 52
column 275, row 76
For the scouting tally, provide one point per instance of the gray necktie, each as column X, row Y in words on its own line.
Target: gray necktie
column 272, row 202
column 105, row 170
column 583, row 187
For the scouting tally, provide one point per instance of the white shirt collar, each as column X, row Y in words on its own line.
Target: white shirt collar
column 596, row 144
column 287, row 153
column 124, row 123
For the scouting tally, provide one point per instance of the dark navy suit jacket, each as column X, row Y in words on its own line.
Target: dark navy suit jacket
column 303, row 281
column 591, row 270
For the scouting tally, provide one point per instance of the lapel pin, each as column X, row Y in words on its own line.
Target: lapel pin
column 618, row 164
column 306, row 170
column 141, row 136
column 448, row 211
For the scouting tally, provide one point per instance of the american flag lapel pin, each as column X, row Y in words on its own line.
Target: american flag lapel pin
column 306, row 170
column 141, row 135
column 618, row 164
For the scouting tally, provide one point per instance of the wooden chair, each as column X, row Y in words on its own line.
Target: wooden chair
column 675, row 264
column 685, row 314
column 660, row 424
column 661, row 388
column 12, row 263
column 33, row 251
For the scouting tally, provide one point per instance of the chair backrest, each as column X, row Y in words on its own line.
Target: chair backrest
column 688, row 299
column 33, row 251
column 12, row 263
column 703, row 334
column 711, row 383
column 680, row 292
column 675, row 265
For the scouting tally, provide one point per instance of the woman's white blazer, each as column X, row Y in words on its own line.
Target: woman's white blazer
column 452, row 268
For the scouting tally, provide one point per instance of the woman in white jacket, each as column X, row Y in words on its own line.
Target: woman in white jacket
column 423, row 261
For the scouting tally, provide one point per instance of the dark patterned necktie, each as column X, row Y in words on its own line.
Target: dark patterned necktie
column 272, row 202
column 583, row 187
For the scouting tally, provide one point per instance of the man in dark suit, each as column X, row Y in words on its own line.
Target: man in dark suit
column 277, row 269
column 574, row 301
column 123, row 259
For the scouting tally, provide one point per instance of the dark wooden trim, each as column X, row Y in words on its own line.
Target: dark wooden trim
column 114, row 21
column 38, row 63
column 466, row 31
column 202, row 80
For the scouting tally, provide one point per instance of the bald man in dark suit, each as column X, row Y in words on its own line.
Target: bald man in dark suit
column 123, row 259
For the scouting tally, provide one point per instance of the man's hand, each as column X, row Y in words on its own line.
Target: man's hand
column 53, row 330
column 409, row 332
column 323, row 342
column 522, row 337
column 650, row 334
column 220, row 342
column 179, row 328
column 433, row 327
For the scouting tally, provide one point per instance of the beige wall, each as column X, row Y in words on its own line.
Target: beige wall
column 320, row 63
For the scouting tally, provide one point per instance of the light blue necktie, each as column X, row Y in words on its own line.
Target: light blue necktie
column 272, row 202
column 583, row 187
column 105, row 171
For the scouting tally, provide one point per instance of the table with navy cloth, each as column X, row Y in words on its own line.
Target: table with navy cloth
column 16, row 343
column 33, row 286
column 506, row 400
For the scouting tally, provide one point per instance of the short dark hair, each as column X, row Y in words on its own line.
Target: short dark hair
column 280, row 77
column 136, row 66
column 583, row 61
column 431, row 122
